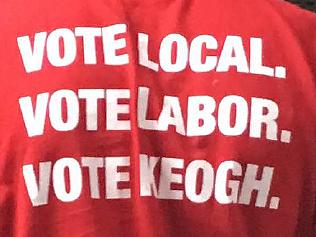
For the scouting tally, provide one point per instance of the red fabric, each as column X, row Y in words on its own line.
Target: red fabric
column 289, row 38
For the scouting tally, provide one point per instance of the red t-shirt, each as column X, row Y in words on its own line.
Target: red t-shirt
column 157, row 118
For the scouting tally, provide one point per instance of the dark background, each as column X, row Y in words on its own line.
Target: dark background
column 307, row 4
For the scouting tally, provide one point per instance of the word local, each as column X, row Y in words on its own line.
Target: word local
column 202, row 54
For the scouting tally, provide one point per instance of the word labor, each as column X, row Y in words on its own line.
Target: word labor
column 61, row 50
column 258, row 115
column 229, row 184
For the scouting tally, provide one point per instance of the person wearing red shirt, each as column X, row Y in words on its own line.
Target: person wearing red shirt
column 157, row 118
